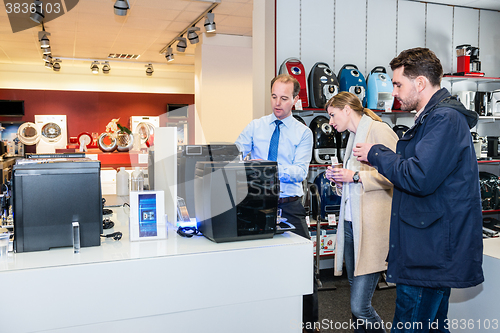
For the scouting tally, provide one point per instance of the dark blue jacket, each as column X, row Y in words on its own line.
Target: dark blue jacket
column 436, row 219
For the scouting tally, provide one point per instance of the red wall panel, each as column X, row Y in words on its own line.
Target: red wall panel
column 88, row 111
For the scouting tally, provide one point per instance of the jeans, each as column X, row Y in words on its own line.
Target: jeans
column 421, row 309
column 362, row 286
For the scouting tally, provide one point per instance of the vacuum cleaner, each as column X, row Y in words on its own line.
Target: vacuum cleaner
column 379, row 90
column 295, row 68
column 351, row 80
column 323, row 85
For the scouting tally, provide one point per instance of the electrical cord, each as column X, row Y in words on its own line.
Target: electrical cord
column 188, row 231
column 107, row 223
column 115, row 235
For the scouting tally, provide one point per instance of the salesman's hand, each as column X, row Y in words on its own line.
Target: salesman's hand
column 361, row 151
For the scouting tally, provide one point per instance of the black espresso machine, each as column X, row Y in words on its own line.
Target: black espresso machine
column 49, row 194
column 237, row 200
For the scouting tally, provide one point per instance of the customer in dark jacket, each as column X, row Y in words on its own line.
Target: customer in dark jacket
column 436, row 222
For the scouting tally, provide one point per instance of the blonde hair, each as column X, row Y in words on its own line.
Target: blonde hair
column 344, row 98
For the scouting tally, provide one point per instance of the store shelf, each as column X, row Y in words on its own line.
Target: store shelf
column 477, row 79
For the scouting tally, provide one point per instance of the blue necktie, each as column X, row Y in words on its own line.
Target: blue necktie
column 275, row 139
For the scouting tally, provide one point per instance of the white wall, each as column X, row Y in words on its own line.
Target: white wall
column 223, row 87
column 370, row 33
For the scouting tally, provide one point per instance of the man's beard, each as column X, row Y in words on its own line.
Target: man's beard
column 411, row 102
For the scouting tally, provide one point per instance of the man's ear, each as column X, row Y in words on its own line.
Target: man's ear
column 421, row 83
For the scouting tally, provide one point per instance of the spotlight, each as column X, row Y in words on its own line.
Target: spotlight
column 209, row 22
column 56, row 65
column 169, row 55
column 46, row 50
column 37, row 11
column 149, row 69
column 47, row 58
column 181, row 45
column 42, row 38
column 48, row 65
column 105, row 67
column 94, row 68
column 192, row 35
column 121, row 7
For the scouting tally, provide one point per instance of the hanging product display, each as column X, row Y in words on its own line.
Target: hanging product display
column 323, row 85
column 351, row 80
column 295, row 68
column 324, row 140
column 379, row 90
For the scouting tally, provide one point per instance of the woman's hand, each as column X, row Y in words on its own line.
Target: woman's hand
column 339, row 175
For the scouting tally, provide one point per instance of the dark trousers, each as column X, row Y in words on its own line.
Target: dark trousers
column 295, row 214
column 421, row 309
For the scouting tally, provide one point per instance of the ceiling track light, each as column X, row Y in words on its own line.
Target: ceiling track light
column 56, row 66
column 48, row 65
column 47, row 58
column 169, row 55
column 43, row 39
column 214, row 4
column 192, row 35
column 105, row 67
column 94, row 67
column 149, row 69
column 46, row 50
column 36, row 10
column 121, row 7
column 209, row 22
column 182, row 44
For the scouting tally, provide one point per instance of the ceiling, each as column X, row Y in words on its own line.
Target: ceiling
column 91, row 31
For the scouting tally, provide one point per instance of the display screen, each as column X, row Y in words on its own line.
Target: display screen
column 11, row 108
column 177, row 110
column 147, row 215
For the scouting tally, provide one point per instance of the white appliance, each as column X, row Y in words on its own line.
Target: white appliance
column 143, row 127
column 53, row 133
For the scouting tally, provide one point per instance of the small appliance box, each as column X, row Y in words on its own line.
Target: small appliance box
column 49, row 195
column 327, row 239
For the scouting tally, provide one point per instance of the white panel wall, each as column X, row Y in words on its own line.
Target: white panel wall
column 223, row 87
column 381, row 34
column 440, row 34
column 350, row 34
column 489, row 42
column 465, row 29
column 288, row 35
column 317, row 21
column 411, row 25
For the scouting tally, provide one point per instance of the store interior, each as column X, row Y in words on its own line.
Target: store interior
column 156, row 68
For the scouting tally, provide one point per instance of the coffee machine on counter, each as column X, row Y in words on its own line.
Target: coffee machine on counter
column 468, row 63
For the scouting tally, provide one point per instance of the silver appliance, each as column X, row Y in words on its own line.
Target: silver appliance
column 495, row 103
column 467, row 98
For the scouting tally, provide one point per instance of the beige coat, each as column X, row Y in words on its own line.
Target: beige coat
column 370, row 203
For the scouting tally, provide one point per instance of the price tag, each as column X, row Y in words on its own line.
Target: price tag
column 332, row 219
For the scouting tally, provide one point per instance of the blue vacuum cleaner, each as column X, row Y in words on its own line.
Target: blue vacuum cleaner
column 351, row 80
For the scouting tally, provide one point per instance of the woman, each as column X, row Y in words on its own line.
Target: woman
column 363, row 229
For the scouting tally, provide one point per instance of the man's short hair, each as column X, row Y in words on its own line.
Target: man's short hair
column 419, row 61
column 285, row 78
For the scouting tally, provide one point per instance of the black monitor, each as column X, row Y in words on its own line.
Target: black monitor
column 11, row 108
column 188, row 155
column 177, row 110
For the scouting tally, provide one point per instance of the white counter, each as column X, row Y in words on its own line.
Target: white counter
column 173, row 285
column 476, row 309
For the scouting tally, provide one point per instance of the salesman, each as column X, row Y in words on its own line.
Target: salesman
column 280, row 137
